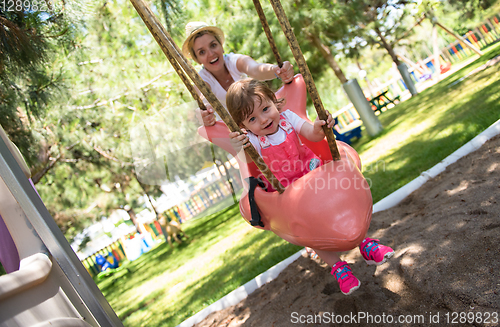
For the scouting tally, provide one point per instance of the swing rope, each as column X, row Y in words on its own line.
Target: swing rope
column 304, row 70
column 267, row 30
column 172, row 51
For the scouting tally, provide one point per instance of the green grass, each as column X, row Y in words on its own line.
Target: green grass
column 166, row 286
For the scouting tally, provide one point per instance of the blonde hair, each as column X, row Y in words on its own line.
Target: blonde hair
column 241, row 94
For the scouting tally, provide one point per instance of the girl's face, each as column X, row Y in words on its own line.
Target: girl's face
column 209, row 52
column 265, row 118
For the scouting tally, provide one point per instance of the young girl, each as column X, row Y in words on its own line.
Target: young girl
column 274, row 135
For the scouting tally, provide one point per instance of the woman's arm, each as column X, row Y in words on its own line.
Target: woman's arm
column 263, row 72
column 314, row 132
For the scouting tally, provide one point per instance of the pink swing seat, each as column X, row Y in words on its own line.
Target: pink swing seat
column 329, row 208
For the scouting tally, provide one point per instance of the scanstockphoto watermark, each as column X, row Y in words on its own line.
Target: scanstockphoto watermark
column 342, row 175
column 332, row 181
column 356, row 318
column 428, row 318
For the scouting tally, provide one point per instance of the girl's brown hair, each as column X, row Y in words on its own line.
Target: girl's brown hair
column 241, row 94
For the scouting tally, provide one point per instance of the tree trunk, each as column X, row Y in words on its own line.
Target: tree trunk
column 228, row 178
column 327, row 54
column 403, row 69
column 164, row 232
column 133, row 217
column 388, row 47
column 368, row 84
column 435, row 49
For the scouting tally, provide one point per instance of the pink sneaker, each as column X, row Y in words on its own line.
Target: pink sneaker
column 375, row 253
column 347, row 282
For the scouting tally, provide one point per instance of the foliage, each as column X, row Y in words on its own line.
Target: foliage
column 469, row 9
column 120, row 80
column 169, row 9
column 30, row 76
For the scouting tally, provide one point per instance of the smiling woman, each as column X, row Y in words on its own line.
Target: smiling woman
column 204, row 44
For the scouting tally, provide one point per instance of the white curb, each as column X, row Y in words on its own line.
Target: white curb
column 389, row 201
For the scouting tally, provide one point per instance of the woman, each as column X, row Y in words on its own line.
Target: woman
column 204, row 44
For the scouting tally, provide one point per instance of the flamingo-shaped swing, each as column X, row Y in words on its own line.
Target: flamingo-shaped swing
column 330, row 207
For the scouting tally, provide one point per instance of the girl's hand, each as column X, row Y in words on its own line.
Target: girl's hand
column 318, row 124
column 239, row 141
column 285, row 73
column 207, row 116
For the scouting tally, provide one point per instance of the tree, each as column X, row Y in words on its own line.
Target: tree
column 384, row 24
column 121, row 83
column 470, row 9
column 32, row 39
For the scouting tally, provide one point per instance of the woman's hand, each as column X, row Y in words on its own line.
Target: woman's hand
column 207, row 116
column 239, row 141
column 285, row 73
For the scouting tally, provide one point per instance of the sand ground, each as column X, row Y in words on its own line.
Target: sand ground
column 445, row 271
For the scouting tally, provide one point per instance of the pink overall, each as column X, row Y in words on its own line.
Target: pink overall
column 291, row 159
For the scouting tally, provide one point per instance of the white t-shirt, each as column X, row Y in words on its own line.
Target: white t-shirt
column 280, row 136
column 230, row 61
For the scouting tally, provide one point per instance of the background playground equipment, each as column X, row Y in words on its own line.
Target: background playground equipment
column 384, row 100
column 349, row 122
column 51, row 287
column 347, row 125
column 123, row 249
column 137, row 244
column 110, row 262
column 480, row 37
column 486, row 33
column 116, row 248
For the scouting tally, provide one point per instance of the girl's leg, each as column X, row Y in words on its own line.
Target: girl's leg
column 330, row 258
column 341, row 270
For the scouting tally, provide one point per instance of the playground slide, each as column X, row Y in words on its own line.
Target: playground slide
column 39, row 293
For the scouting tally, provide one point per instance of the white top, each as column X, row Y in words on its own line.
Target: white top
column 230, row 61
column 280, row 136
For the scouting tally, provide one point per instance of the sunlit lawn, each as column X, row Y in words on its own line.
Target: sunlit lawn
column 166, row 286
